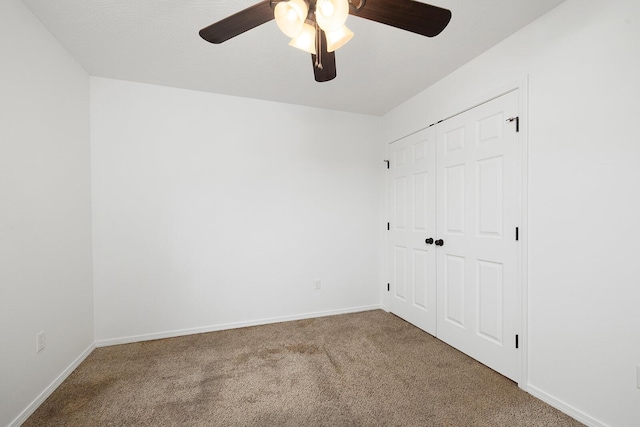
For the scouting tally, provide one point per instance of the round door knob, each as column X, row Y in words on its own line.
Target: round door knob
column 439, row 242
column 429, row 241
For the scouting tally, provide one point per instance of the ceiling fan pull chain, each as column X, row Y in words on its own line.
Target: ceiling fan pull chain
column 318, row 48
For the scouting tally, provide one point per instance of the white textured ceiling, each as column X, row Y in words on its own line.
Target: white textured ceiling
column 157, row 42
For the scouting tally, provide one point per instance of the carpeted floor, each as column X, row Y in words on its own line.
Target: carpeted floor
column 363, row 369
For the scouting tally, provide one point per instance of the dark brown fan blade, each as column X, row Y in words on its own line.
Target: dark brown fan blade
column 409, row 15
column 238, row 23
column 324, row 69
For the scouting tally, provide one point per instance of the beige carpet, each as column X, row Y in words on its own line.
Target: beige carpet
column 364, row 369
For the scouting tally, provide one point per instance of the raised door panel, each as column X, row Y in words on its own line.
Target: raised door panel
column 489, row 302
column 455, row 290
column 400, row 273
column 489, row 209
column 453, row 188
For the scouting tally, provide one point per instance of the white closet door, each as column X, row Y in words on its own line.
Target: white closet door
column 477, row 197
column 412, row 185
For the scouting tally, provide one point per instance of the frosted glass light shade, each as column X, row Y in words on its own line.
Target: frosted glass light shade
column 306, row 40
column 331, row 14
column 338, row 38
column 290, row 16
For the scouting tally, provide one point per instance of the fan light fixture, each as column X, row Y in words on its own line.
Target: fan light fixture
column 306, row 40
column 338, row 38
column 330, row 16
column 290, row 17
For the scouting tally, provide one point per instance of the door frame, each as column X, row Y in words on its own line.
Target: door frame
column 522, row 86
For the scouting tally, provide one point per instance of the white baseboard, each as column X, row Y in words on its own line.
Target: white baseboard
column 564, row 407
column 226, row 326
column 29, row 410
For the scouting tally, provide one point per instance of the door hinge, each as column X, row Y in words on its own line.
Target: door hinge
column 517, row 343
column 517, row 120
column 388, row 287
column 388, row 163
column 388, row 226
column 517, row 233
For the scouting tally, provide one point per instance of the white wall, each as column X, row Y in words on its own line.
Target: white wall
column 583, row 62
column 45, row 218
column 212, row 210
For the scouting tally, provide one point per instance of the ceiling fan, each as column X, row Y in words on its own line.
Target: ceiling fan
column 317, row 26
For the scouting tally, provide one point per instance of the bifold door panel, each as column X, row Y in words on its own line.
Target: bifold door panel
column 412, row 223
column 456, row 183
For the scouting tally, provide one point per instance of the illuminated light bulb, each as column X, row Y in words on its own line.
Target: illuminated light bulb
column 332, row 14
column 338, row 38
column 306, row 40
column 327, row 8
column 290, row 17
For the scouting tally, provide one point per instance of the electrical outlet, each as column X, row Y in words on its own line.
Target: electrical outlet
column 318, row 284
column 40, row 341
